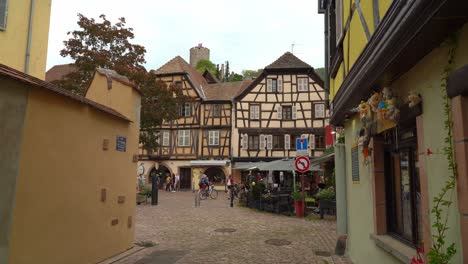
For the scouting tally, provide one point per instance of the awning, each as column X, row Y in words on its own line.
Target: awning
column 322, row 159
column 210, row 162
column 277, row 165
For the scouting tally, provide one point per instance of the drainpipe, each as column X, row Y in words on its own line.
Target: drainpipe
column 340, row 180
column 28, row 45
column 327, row 40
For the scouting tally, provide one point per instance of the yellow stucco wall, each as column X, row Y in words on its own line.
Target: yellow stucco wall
column 59, row 216
column 423, row 78
column 13, row 40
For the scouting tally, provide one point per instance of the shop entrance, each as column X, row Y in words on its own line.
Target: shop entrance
column 185, row 178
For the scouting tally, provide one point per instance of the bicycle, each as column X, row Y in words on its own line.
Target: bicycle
column 209, row 192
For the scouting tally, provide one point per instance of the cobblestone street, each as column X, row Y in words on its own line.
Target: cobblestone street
column 186, row 234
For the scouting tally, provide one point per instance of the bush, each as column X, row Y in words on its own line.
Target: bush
column 326, row 194
column 257, row 190
column 145, row 191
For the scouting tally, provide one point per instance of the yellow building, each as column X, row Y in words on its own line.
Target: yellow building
column 385, row 77
column 67, row 166
column 24, row 32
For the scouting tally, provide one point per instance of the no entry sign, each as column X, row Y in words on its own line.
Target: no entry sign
column 302, row 164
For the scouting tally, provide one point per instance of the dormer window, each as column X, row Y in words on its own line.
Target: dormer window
column 272, row 85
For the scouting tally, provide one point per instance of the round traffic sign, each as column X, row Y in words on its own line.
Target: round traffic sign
column 302, row 164
column 141, row 170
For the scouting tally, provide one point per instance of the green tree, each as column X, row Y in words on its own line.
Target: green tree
column 226, row 73
column 203, row 65
column 251, row 74
column 320, row 72
column 234, row 77
column 106, row 45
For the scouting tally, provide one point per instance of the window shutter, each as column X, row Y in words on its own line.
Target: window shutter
column 257, row 112
column 252, row 112
column 279, row 112
column 287, row 141
column 3, row 14
column 269, row 86
column 294, row 112
column 242, row 141
column 165, row 138
column 269, row 141
column 312, row 141
column 262, row 142
column 280, row 85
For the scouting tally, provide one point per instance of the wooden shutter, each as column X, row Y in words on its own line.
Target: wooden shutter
column 262, row 142
column 269, row 141
column 269, row 86
column 279, row 112
column 280, row 85
column 244, row 141
column 312, row 141
column 294, row 112
column 3, row 14
column 257, row 112
column 252, row 112
column 165, row 141
column 287, row 141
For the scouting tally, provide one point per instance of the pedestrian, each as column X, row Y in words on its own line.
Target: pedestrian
column 230, row 186
column 168, row 182
column 173, row 182
column 177, row 182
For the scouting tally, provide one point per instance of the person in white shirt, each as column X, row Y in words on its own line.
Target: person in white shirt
column 177, row 182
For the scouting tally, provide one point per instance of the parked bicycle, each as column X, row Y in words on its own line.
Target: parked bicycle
column 208, row 192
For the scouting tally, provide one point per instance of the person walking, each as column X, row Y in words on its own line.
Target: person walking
column 168, row 182
column 230, row 185
column 177, row 182
column 173, row 182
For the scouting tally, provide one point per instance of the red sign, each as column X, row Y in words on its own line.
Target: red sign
column 302, row 164
column 328, row 136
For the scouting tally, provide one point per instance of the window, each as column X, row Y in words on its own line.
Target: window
column 319, row 110
column 302, row 84
column 213, row 138
column 269, row 141
column 3, row 14
column 293, row 141
column 165, row 138
column 253, row 142
column 186, row 110
column 184, row 138
column 244, row 139
column 216, row 110
column 287, row 112
column 179, row 84
column 287, row 141
column 255, row 112
column 319, row 141
column 402, row 187
column 278, row 142
column 272, row 85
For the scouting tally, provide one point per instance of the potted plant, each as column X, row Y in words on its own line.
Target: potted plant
column 327, row 201
column 297, row 197
column 143, row 194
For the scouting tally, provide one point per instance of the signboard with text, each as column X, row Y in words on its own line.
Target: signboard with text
column 121, row 144
column 301, row 147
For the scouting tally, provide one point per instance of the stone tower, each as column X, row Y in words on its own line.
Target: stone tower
column 198, row 53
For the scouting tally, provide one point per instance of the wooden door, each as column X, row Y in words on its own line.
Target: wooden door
column 185, row 178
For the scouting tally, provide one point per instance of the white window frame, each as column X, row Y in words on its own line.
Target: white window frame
column 269, row 141
column 270, row 85
column 312, row 141
column 213, row 138
column 188, row 109
column 302, row 84
column 255, row 112
column 3, row 22
column 165, row 138
column 279, row 85
column 244, row 141
column 319, row 110
column 279, row 112
column 183, row 138
column 294, row 112
column 287, row 141
column 262, row 142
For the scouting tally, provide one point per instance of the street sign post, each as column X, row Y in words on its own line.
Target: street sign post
column 301, row 147
column 302, row 164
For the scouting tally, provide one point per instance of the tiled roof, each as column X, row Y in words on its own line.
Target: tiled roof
column 117, row 77
column 288, row 61
column 179, row 65
column 225, row 91
column 58, row 72
column 28, row 79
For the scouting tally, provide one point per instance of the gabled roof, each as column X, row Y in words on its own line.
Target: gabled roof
column 210, row 78
column 288, row 61
column 28, row 79
column 225, row 91
column 58, row 72
column 179, row 65
column 113, row 75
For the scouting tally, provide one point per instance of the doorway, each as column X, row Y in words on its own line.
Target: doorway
column 185, row 178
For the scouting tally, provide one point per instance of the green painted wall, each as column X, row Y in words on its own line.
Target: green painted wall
column 13, row 100
column 423, row 78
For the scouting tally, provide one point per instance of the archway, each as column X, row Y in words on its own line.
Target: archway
column 161, row 172
column 216, row 175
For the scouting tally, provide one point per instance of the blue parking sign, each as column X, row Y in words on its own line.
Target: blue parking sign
column 301, row 143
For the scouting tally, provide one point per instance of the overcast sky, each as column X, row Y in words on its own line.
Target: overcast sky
column 249, row 33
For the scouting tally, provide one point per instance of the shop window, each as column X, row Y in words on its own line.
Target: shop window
column 402, row 185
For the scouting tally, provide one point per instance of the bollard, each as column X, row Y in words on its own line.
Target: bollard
column 232, row 197
column 197, row 200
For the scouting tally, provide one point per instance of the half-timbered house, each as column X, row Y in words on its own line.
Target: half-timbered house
column 286, row 102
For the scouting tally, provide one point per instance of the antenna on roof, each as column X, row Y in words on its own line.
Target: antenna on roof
column 293, row 45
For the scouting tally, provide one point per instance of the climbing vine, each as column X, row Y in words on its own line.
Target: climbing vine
column 441, row 252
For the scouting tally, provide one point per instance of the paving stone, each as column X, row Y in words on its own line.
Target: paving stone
column 184, row 234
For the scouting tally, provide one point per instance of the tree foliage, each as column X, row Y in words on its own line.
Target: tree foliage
column 226, row 73
column 320, row 72
column 106, row 45
column 203, row 65
column 251, row 74
column 234, row 77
